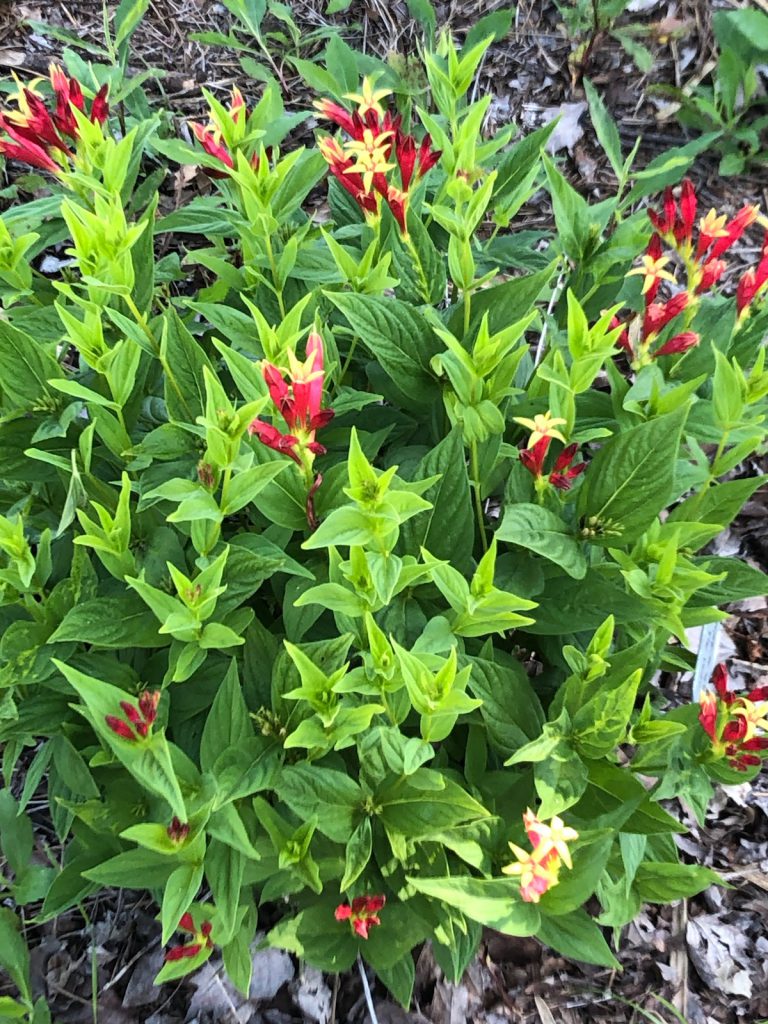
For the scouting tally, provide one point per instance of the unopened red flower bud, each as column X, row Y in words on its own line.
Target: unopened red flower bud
column 177, row 830
column 120, row 728
column 148, row 702
column 680, row 343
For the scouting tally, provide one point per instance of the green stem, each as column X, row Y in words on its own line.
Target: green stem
column 225, row 487
column 348, row 359
column 141, row 320
column 712, row 475
column 467, row 296
column 273, row 265
column 475, row 463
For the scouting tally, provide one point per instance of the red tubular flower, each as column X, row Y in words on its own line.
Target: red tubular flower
column 351, row 181
column 397, row 202
column 428, row 157
column 664, row 222
column 708, row 714
column 743, row 717
column 720, row 679
column 68, row 95
column 148, row 703
column 533, row 458
column 37, row 134
column 623, row 339
column 746, row 290
column 711, row 273
column 339, row 115
column 564, row 472
column 680, row 343
column 688, row 204
column 659, row 314
column 299, row 402
column 734, row 229
column 28, row 153
column 362, row 913
column 190, row 949
column 270, row 436
column 405, row 154
column 186, row 924
column 211, row 142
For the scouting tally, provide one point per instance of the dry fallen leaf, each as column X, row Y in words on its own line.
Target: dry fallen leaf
column 568, row 131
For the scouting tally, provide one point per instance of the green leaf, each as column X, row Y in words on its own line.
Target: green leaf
column 423, row 12
column 306, row 787
column 720, row 504
column 27, row 386
column 224, row 869
column 180, row 891
column 447, row 530
column 664, row 882
column 605, row 128
column 494, row 902
column 630, row 481
column 110, row 622
column 358, row 854
column 538, row 529
column 244, row 487
column 228, row 725
column 504, row 303
column 396, row 335
column 14, row 956
column 183, row 361
column 577, row 936
column 510, row 709
column 414, row 808
column 741, row 581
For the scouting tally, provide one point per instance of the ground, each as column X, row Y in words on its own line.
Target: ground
column 701, row 961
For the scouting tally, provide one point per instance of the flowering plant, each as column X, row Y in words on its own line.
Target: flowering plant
column 339, row 559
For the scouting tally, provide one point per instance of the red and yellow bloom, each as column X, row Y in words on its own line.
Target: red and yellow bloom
column 201, row 939
column 736, row 724
column 299, row 400
column 540, row 870
column 376, row 146
column 362, row 913
column 42, row 137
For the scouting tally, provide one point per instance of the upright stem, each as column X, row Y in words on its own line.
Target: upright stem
column 475, row 464
column 273, row 265
column 141, row 320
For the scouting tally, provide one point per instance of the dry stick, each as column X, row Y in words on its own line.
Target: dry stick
column 367, row 991
column 543, row 336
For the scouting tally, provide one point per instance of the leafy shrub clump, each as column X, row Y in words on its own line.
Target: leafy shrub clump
column 339, row 562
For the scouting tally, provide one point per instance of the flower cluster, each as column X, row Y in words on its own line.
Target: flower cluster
column 41, row 137
column 697, row 247
column 732, row 722
column 201, row 939
column 362, row 913
column 211, row 136
column 539, row 870
column 141, row 718
column 376, row 145
column 543, row 429
column 299, row 401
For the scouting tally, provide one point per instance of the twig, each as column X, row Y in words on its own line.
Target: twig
column 367, row 991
